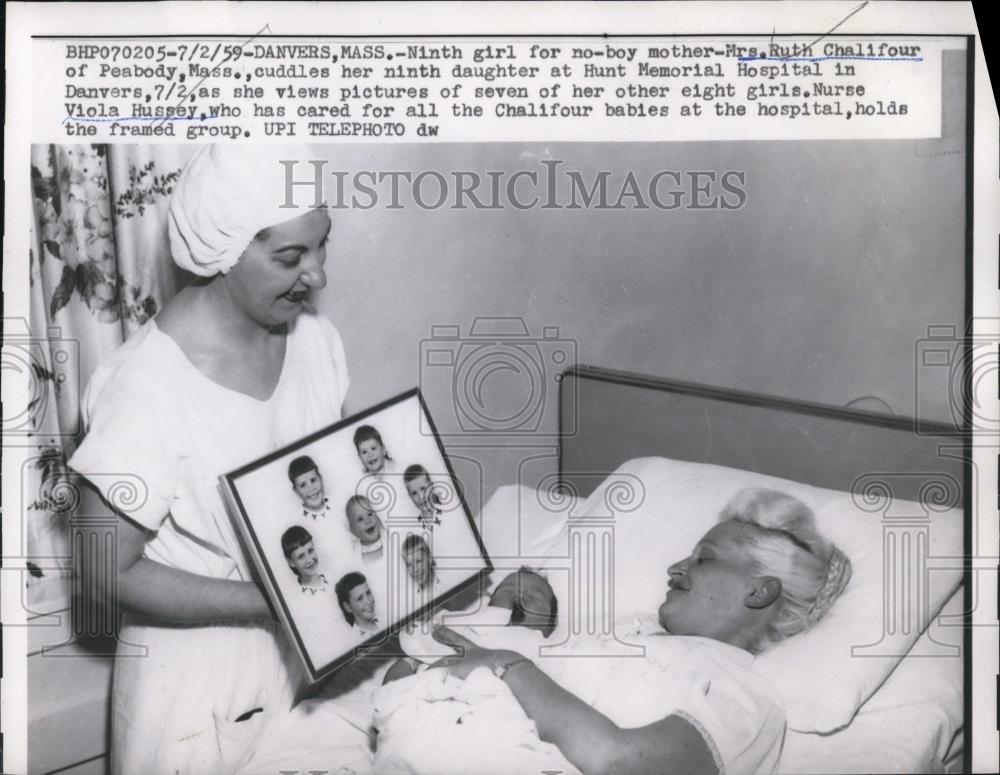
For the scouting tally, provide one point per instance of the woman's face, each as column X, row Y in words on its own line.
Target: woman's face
column 284, row 262
column 372, row 455
column 709, row 591
column 361, row 601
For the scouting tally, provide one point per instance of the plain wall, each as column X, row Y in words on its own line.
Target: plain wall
column 819, row 288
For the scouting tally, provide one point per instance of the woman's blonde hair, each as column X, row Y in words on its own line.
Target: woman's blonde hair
column 786, row 544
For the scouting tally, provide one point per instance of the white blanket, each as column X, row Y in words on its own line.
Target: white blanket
column 433, row 723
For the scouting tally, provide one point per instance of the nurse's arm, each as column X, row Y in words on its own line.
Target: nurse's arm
column 136, row 583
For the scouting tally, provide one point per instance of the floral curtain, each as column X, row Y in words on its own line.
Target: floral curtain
column 100, row 268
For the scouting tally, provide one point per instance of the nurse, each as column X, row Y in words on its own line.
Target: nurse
column 236, row 365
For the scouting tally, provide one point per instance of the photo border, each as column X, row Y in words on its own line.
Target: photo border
column 264, row 571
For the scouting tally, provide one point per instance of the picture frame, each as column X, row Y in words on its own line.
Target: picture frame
column 357, row 530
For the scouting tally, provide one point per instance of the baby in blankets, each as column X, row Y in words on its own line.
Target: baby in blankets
column 530, row 599
column 519, row 614
column 416, row 704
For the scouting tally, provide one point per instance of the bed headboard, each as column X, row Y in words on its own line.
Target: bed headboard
column 608, row 417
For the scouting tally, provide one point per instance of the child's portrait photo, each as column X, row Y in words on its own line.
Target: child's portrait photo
column 375, row 458
column 357, row 603
column 307, row 482
column 424, row 494
column 366, row 528
column 356, row 530
column 419, row 562
column 297, row 544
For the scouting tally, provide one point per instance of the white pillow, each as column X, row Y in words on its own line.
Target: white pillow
column 660, row 508
column 520, row 522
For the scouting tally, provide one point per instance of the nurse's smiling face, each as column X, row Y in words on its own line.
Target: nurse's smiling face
column 284, row 262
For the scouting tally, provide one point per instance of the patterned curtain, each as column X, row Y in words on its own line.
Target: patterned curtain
column 100, row 267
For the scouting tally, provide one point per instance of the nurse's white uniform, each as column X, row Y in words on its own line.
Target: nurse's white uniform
column 152, row 414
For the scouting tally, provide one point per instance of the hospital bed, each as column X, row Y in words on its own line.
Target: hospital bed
column 644, row 465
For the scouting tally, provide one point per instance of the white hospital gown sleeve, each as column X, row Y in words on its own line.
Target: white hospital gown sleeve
column 336, row 345
column 126, row 446
column 737, row 713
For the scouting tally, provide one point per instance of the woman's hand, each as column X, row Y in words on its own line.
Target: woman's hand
column 470, row 656
column 587, row 738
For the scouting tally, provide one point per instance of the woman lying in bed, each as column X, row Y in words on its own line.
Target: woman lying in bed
column 692, row 705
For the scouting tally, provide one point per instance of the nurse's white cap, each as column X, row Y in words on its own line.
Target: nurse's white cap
column 224, row 196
